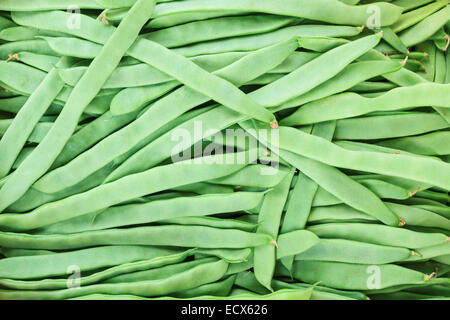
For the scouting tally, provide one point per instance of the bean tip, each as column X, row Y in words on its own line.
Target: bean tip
column 447, row 38
column 430, row 276
column 274, row 242
column 380, row 34
column 12, row 56
column 103, row 18
column 402, row 222
column 404, row 61
column 274, row 124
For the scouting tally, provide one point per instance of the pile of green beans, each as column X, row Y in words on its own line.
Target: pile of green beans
column 339, row 189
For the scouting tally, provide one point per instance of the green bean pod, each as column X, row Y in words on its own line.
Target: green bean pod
column 113, row 272
column 355, row 276
column 379, row 234
column 57, row 264
column 340, row 250
column 170, row 235
column 202, row 274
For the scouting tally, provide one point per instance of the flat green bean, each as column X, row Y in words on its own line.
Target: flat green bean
column 170, row 235
column 340, row 250
column 389, row 126
column 379, row 234
column 354, row 276
column 299, row 206
column 218, row 28
column 35, row 46
column 42, row 266
column 110, row 273
column 342, row 13
column 202, row 274
column 347, row 105
column 269, row 221
column 255, row 42
column 347, row 78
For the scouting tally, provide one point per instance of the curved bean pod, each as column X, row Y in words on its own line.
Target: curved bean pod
column 411, row 216
column 427, row 144
column 131, row 99
column 389, row 126
column 134, row 214
column 57, row 263
column 109, row 273
column 283, row 294
column 240, row 178
column 400, row 165
column 138, row 74
column 340, row 250
column 21, row 78
column 255, row 42
column 317, row 71
column 24, row 33
column 33, row 198
column 179, row 236
column 229, row 255
column 350, row 76
column 220, row 289
column 212, row 222
column 379, row 234
column 299, row 205
column 202, row 274
column 39, row 61
column 342, row 13
column 383, row 189
column 347, row 105
column 430, row 252
column 218, row 28
column 93, row 132
column 158, row 273
column 355, row 276
column 35, row 46
column 295, row 242
column 269, row 220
